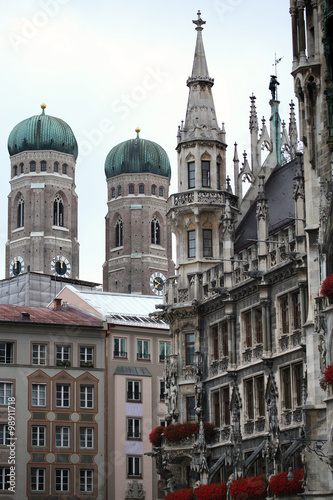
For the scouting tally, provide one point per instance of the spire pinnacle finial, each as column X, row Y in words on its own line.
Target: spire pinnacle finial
column 199, row 22
column 137, row 130
column 43, row 106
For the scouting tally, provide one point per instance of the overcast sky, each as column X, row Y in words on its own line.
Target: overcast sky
column 109, row 66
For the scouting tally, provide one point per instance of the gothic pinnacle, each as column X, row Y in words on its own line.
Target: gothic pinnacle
column 199, row 22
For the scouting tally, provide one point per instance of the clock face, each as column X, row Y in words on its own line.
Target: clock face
column 16, row 266
column 60, row 266
column 157, row 281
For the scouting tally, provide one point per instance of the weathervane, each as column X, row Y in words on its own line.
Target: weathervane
column 199, row 22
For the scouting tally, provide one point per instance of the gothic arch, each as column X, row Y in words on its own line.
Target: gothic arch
column 155, row 230
column 58, row 211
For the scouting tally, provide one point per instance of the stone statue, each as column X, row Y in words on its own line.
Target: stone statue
column 273, row 87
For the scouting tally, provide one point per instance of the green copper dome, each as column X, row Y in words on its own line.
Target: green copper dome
column 42, row 132
column 137, row 156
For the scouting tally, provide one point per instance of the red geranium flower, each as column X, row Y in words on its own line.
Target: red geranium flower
column 249, row 488
column 177, row 432
column 328, row 375
column 280, row 485
column 327, row 287
column 216, row 491
column 186, row 494
column 155, row 437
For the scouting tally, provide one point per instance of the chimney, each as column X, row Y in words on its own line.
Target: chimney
column 57, row 304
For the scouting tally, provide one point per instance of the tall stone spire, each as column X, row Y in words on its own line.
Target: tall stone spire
column 200, row 121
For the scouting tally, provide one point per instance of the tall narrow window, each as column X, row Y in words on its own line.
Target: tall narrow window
column 64, row 168
column 205, row 167
column 260, row 388
column 164, row 351
column 43, row 166
column 286, row 387
column 225, row 339
column 160, row 191
column 134, row 466
column 113, row 192
column 258, row 318
column 56, row 167
column 249, row 398
column 119, row 233
column 37, row 479
column 58, row 211
column 215, row 335
column 153, row 190
column 20, row 213
column 191, row 174
column 155, row 231
column 62, row 480
column 189, row 346
column 191, row 243
column 216, row 408
column 225, row 406
column 86, row 480
column 15, row 170
column 32, row 166
column 297, row 310
column 218, row 173
column 22, row 168
column 248, row 329
column 120, row 191
column 207, row 243
column 143, row 347
column 298, row 377
column 190, row 409
column 285, row 314
column 131, row 189
column 141, row 189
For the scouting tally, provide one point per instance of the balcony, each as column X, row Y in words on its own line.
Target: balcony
column 198, row 197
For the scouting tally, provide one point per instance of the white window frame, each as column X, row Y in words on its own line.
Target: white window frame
column 86, row 438
column 63, row 393
column 131, row 390
column 143, row 353
column 86, row 480
column 39, row 479
column 133, row 428
column 4, row 354
column 38, row 394
column 62, row 436
column 61, row 477
column 38, row 354
column 4, row 478
column 63, row 352
column 121, row 342
column 40, row 435
column 4, row 435
column 134, row 466
column 87, row 354
column 87, row 396
column 163, row 350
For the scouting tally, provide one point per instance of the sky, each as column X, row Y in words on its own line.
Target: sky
column 108, row 66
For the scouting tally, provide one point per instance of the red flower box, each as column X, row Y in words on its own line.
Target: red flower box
column 327, row 287
column 328, row 375
column 186, row 494
column 155, row 437
column 249, row 488
column 280, row 485
column 216, row 491
column 177, row 432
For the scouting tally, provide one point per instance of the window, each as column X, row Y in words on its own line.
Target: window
column 63, row 355
column 286, row 384
column 56, row 166
column 113, row 192
column 38, row 394
column 248, row 329
column 86, row 356
column 4, row 435
column 162, row 390
column 58, row 211
column 258, row 323
column 296, row 300
column 64, row 169
column 15, row 170
column 38, row 354
column 218, row 175
column 22, row 168
column 189, row 348
column 131, row 189
column 141, row 189
column 153, row 190
column 134, row 466
column 120, row 191
column 160, row 191
column 255, row 397
column 292, row 386
column 4, row 478
column 6, row 391
column 191, row 244
column 225, row 406
column 32, row 166
column 155, row 231
column 86, row 480
column 86, row 437
column 119, row 348
column 205, row 167
column 43, row 166
column 86, row 396
column 215, row 338
column 225, row 339
column 260, row 395
column 164, row 351
column 20, row 213
column 298, row 378
column 62, row 437
column 249, row 399
column 134, row 390
column 216, row 408
column 191, row 174
column 119, row 233
column 190, row 409
column 62, row 395
column 37, row 479
column 143, row 350
column 62, row 480
column 133, row 428
column 6, row 352
column 285, row 314
column 38, row 435
column 207, row 243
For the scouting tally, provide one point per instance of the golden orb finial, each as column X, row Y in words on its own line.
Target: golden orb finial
column 43, row 105
column 137, row 130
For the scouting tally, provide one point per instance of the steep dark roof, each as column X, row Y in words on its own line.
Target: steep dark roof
column 281, row 206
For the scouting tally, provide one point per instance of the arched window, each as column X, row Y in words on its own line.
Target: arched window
column 56, row 166
column 58, row 211
column 43, row 166
column 119, row 233
column 22, row 168
column 153, row 190
column 64, row 168
column 160, row 191
column 155, row 231
column 20, row 212
column 141, row 189
column 120, row 191
column 131, row 189
column 15, row 170
column 113, row 192
column 32, row 166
